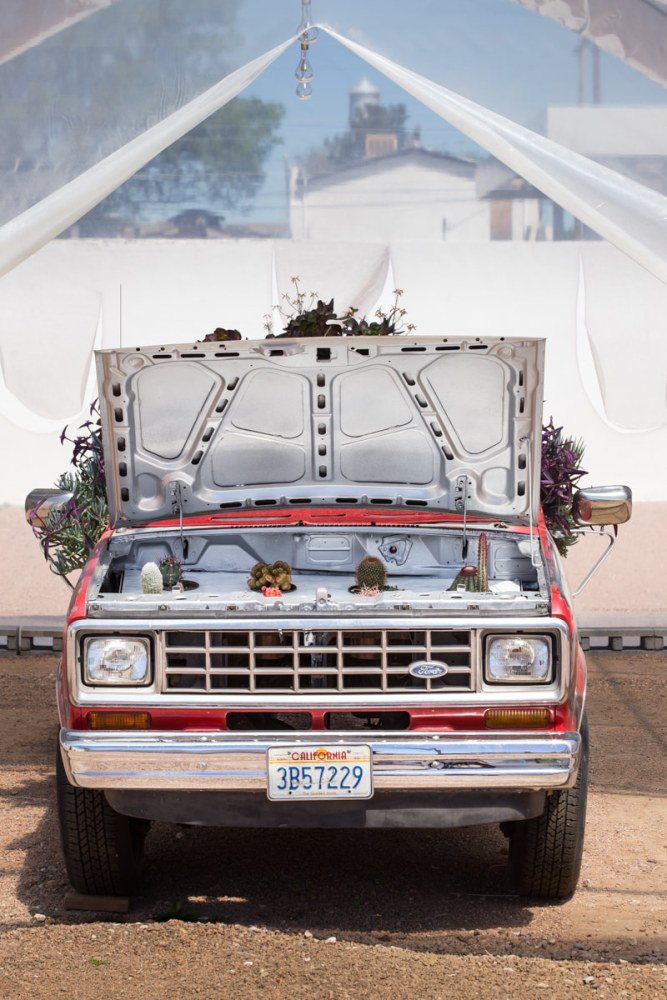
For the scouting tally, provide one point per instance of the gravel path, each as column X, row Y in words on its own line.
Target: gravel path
column 338, row 914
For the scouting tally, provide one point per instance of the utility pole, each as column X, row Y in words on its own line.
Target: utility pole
column 582, row 49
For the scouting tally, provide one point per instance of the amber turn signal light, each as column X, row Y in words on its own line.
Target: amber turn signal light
column 517, row 718
column 119, row 720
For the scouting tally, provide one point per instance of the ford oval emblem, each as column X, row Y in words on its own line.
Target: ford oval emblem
column 428, row 668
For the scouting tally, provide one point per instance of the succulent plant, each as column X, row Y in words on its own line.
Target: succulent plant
column 171, row 570
column 221, row 334
column 277, row 574
column 560, row 473
column 371, row 573
column 151, row 579
column 307, row 315
column 316, row 322
column 69, row 534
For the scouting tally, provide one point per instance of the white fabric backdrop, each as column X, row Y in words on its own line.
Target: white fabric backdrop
column 154, row 292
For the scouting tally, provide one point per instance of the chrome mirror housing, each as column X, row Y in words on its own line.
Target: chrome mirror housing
column 40, row 503
column 603, row 505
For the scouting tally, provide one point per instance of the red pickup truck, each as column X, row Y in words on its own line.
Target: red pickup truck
column 369, row 625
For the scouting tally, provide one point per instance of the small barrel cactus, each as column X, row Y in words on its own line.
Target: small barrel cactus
column 371, row 573
column 272, row 575
column 171, row 569
column 151, row 579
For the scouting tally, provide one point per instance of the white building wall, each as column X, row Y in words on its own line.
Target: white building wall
column 395, row 201
column 603, row 130
column 525, row 219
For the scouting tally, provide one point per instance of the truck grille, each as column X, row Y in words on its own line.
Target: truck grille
column 297, row 661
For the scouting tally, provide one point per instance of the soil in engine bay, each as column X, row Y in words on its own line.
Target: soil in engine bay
column 336, row 914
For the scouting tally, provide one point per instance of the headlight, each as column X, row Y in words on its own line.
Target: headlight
column 116, row 661
column 518, row 659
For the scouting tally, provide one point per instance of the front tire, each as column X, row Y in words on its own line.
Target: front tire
column 545, row 852
column 103, row 849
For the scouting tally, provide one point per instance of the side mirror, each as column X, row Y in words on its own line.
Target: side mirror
column 40, row 503
column 603, row 505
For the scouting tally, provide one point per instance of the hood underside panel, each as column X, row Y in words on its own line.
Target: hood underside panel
column 437, row 422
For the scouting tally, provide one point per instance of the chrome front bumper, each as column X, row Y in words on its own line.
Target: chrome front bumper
column 402, row 761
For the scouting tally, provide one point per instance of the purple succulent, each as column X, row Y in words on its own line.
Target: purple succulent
column 561, row 471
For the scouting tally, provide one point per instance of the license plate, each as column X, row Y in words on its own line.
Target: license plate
column 324, row 772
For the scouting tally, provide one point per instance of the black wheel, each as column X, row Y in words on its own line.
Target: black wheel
column 103, row 849
column 545, row 852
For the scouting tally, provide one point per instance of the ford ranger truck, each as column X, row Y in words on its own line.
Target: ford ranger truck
column 426, row 702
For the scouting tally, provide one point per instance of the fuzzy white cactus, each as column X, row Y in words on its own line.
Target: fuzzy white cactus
column 151, row 579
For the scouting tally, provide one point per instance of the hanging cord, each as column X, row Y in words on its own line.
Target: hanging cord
column 307, row 35
column 464, row 547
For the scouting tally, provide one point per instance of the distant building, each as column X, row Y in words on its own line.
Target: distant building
column 401, row 191
column 402, row 194
column 516, row 208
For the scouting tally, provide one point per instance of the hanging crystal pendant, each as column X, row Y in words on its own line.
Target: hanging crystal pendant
column 307, row 34
column 304, row 71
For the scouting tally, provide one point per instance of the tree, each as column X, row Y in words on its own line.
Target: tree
column 217, row 165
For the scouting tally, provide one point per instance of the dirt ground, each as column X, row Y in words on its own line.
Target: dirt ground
column 368, row 915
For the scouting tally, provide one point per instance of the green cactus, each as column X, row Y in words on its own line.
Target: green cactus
column 171, row 570
column 467, row 578
column 475, row 579
column 371, row 573
column 482, row 576
column 151, row 579
column 277, row 574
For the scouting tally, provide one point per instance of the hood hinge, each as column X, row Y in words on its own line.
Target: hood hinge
column 176, row 491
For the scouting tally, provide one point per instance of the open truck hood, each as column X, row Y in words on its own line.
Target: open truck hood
column 424, row 422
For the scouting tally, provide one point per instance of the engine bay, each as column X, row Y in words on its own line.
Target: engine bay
column 422, row 570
